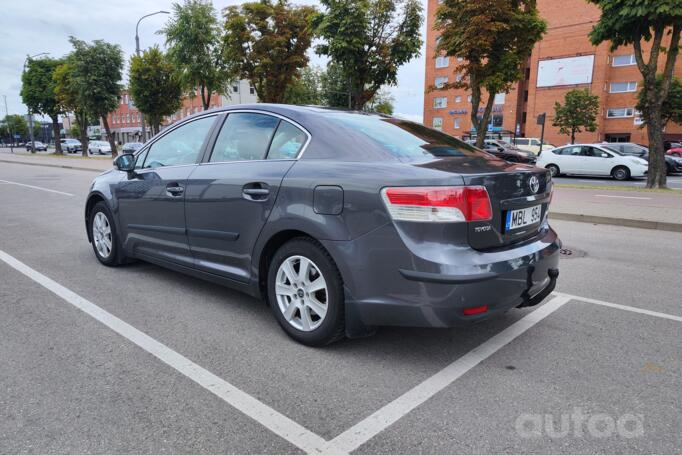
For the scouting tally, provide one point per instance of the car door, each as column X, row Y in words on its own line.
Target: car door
column 595, row 161
column 569, row 159
column 230, row 195
column 151, row 201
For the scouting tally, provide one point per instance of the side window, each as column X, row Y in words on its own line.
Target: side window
column 139, row 161
column 535, row 142
column 522, row 142
column 287, row 143
column 180, row 146
column 244, row 136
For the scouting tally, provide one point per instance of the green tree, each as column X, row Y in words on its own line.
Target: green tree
column 154, row 86
column 306, row 88
column 267, row 42
column 67, row 93
column 381, row 103
column 16, row 124
column 671, row 109
column 579, row 112
column 75, row 130
column 636, row 22
column 334, row 87
column 493, row 39
column 38, row 92
column 96, row 75
column 369, row 40
column 195, row 49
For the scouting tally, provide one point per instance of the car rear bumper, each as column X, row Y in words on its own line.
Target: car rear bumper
column 386, row 284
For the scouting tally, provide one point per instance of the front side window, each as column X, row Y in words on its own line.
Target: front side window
column 287, row 142
column 245, row 136
column 180, row 146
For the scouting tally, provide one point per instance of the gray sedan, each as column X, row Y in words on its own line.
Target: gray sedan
column 341, row 221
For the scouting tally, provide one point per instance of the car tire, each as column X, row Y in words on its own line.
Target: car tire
column 296, row 306
column 553, row 169
column 620, row 173
column 101, row 227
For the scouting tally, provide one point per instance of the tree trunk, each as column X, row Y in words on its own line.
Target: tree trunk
column 82, row 120
column 572, row 137
column 112, row 141
column 482, row 124
column 657, row 176
column 205, row 97
column 55, row 131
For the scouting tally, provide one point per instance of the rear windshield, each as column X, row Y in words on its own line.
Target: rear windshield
column 406, row 140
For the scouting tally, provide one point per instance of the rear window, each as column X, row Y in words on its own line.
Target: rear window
column 404, row 139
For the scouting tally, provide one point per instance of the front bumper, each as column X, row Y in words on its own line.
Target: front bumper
column 388, row 284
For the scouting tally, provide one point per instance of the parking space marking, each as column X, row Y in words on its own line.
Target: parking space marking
column 365, row 430
column 622, row 197
column 277, row 423
column 618, row 306
column 36, row 187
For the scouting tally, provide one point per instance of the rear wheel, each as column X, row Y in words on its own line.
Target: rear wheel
column 104, row 236
column 621, row 173
column 305, row 292
column 553, row 169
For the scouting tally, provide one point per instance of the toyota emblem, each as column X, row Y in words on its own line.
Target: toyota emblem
column 534, row 184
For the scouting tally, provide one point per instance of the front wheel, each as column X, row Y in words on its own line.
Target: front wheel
column 621, row 173
column 104, row 236
column 305, row 292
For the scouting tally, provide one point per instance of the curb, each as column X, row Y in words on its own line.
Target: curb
column 62, row 166
column 641, row 224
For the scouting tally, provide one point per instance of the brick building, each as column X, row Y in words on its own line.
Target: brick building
column 125, row 120
column 564, row 60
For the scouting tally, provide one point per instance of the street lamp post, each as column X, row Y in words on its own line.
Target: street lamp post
column 30, row 116
column 143, row 131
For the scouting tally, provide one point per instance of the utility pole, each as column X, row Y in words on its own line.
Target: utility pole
column 541, row 121
column 9, row 128
column 143, row 131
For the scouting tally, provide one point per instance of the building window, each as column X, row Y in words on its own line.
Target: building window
column 235, row 88
column 252, row 90
column 458, row 78
column 469, row 99
column 623, row 60
column 440, row 102
column 500, row 98
column 441, row 81
column 460, row 59
column 438, row 123
column 623, row 87
column 442, row 62
column 620, row 112
column 458, row 123
column 458, row 99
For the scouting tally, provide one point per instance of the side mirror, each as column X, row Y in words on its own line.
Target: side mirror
column 125, row 162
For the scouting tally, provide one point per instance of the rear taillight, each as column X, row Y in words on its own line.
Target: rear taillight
column 438, row 204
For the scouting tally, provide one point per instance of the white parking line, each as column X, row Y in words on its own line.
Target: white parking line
column 36, row 187
column 365, row 430
column 622, row 307
column 622, row 197
column 278, row 423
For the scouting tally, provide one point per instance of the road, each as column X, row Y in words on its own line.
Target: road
column 139, row 359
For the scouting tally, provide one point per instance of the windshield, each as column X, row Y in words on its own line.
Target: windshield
column 404, row 139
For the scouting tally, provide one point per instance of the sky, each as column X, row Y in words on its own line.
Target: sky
column 33, row 27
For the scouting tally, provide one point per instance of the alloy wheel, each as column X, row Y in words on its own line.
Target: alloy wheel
column 301, row 292
column 101, row 234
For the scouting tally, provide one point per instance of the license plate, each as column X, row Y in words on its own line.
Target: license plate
column 523, row 217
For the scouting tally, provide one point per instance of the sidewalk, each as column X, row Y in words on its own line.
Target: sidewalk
column 647, row 210
column 71, row 161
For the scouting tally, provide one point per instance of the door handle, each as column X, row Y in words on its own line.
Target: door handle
column 257, row 191
column 175, row 189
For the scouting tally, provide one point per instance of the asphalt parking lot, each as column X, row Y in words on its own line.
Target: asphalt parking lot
column 144, row 360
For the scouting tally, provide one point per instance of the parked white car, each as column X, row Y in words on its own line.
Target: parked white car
column 531, row 144
column 591, row 159
column 99, row 148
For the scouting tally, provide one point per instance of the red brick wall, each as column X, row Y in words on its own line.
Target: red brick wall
column 569, row 23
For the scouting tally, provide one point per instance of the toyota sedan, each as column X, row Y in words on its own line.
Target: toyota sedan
column 340, row 221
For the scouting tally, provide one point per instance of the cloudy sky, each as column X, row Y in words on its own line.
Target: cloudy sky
column 32, row 27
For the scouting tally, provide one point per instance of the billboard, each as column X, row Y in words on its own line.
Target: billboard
column 565, row 71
